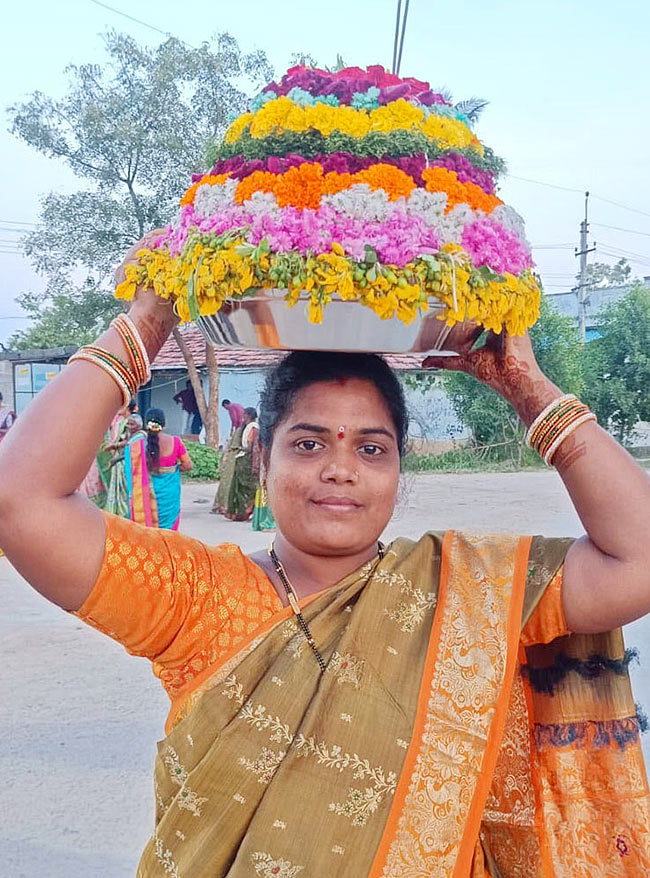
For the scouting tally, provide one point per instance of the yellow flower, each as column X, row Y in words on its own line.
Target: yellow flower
column 237, row 127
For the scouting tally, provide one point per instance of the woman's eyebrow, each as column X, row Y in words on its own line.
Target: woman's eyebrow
column 309, row 428
column 369, row 431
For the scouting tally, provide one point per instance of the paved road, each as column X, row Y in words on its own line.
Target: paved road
column 79, row 718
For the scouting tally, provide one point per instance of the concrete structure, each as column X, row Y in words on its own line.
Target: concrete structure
column 241, row 378
column 25, row 373
column 598, row 300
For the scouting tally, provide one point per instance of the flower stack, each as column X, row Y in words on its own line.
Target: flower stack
column 356, row 185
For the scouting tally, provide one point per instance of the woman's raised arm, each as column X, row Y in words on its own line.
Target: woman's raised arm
column 607, row 573
column 52, row 535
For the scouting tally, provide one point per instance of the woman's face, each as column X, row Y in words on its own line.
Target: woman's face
column 333, row 468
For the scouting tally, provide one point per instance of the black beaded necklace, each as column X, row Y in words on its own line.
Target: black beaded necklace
column 295, row 605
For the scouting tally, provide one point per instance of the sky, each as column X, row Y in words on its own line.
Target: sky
column 567, row 85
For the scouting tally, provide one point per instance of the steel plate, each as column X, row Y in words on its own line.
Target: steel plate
column 264, row 322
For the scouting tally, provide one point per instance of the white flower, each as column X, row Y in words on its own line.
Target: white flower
column 429, row 206
column 262, row 204
column 452, row 224
column 361, row 202
column 211, row 199
column 510, row 219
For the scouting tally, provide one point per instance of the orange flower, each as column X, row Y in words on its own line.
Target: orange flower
column 387, row 177
column 444, row 180
column 208, row 180
column 258, row 181
column 334, row 182
column 300, row 186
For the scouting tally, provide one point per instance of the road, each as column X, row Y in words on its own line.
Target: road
column 79, row 718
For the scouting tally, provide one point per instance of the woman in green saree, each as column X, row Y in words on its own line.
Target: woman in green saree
column 228, row 460
column 452, row 706
column 243, row 484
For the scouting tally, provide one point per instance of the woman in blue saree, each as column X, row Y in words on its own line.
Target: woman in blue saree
column 154, row 462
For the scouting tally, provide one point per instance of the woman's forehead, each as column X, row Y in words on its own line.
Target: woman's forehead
column 352, row 401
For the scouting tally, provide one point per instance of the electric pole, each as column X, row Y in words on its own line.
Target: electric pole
column 581, row 290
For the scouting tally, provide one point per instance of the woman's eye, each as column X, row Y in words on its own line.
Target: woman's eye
column 308, row 445
column 372, row 450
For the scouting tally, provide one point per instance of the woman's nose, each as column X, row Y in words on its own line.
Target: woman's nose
column 340, row 470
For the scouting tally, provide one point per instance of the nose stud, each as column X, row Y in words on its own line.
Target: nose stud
column 340, row 433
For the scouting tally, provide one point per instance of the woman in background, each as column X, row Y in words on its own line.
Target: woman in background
column 246, row 469
column 153, row 465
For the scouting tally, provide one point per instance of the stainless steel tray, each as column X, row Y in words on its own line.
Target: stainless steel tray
column 264, row 322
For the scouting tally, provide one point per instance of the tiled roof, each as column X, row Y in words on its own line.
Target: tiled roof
column 170, row 356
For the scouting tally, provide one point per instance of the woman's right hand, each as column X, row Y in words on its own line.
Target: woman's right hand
column 153, row 316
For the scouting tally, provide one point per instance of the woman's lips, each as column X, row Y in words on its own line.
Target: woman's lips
column 337, row 504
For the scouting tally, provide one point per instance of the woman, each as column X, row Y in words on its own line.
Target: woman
column 246, row 468
column 117, row 501
column 233, row 449
column 340, row 707
column 99, row 484
column 153, row 465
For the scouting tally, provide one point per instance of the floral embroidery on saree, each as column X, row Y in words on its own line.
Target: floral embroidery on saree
column 462, row 687
column 267, row 867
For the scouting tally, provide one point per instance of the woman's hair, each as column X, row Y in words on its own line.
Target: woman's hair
column 301, row 369
column 154, row 422
column 251, row 412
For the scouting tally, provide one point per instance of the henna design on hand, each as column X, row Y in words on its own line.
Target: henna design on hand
column 508, row 366
column 569, row 452
column 154, row 328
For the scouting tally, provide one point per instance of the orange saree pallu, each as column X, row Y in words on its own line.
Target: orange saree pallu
column 444, row 739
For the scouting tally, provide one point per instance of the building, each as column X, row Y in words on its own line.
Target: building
column 24, row 373
column 241, row 378
column 599, row 298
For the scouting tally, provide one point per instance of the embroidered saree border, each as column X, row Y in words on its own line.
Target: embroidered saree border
column 435, row 792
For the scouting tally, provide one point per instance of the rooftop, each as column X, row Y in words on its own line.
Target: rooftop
column 170, row 356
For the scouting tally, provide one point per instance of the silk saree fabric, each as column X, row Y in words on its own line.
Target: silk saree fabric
column 423, row 750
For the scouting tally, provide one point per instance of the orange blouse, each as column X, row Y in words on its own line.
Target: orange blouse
column 188, row 607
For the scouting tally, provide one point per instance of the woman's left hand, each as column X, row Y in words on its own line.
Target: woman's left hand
column 507, row 364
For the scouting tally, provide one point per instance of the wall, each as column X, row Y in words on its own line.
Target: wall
column 431, row 411
column 238, row 385
column 7, row 382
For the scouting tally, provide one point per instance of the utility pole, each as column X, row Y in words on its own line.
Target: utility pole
column 581, row 290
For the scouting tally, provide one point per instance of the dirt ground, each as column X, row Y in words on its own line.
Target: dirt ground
column 79, row 718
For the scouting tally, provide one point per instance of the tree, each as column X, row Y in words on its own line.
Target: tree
column 491, row 419
column 617, row 364
column 134, row 129
column 601, row 274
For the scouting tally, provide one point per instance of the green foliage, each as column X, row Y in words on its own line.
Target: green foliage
column 464, row 458
column 68, row 318
column 601, row 274
column 491, row 419
column 134, row 129
column 617, row 365
column 206, row 462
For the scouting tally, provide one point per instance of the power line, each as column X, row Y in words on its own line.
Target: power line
column 17, row 223
column 619, row 204
column 619, row 229
column 143, row 23
column 579, row 191
column 549, row 185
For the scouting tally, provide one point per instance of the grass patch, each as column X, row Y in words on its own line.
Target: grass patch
column 207, row 462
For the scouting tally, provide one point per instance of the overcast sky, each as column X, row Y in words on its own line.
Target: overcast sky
column 567, row 85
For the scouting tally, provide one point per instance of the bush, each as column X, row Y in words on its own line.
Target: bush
column 207, row 462
column 464, row 459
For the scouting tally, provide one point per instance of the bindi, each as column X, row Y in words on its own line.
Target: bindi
column 340, row 433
